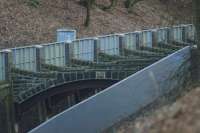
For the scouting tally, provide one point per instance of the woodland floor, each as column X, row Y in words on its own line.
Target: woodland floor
column 24, row 25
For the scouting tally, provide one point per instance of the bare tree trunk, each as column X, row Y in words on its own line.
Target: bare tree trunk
column 88, row 4
column 87, row 21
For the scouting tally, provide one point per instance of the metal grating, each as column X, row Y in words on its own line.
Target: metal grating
column 162, row 35
column 109, row 44
column 54, row 54
column 83, row 49
column 2, row 66
column 66, row 35
column 24, row 58
column 146, row 38
column 190, row 32
column 177, row 33
column 131, row 40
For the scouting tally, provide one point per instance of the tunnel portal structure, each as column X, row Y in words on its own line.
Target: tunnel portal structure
column 40, row 81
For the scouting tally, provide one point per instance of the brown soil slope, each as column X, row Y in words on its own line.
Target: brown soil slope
column 21, row 24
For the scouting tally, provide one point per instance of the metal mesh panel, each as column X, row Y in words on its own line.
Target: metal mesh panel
column 24, row 58
column 177, row 32
column 109, row 44
column 66, row 35
column 83, row 49
column 147, row 38
column 162, row 35
column 131, row 41
column 54, row 54
column 2, row 66
column 190, row 32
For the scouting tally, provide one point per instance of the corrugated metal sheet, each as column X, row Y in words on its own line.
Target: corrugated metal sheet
column 190, row 32
column 131, row 40
column 54, row 54
column 147, row 38
column 162, row 35
column 177, row 33
column 65, row 35
column 109, row 44
column 2, row 66
column 83, row 49
column 24, row 58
